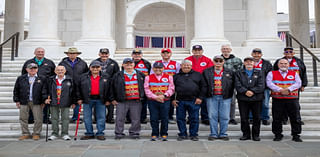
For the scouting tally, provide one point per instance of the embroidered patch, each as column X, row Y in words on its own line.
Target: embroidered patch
column 290, row 77
column 135, row 76
column 171, row 66
column 39, row 81
column 203, row 64
column 164, row 79
column 255, row 76
column 68, row 84
column 140, row 65
column 45, row 64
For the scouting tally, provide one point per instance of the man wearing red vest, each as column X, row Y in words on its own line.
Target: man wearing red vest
column 159, row 87
column 171, row 68
column 199, row 64
column 284, row 85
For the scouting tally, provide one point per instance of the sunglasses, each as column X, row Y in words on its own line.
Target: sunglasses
column 218, row 61
column 288, row 51
column 95, row 67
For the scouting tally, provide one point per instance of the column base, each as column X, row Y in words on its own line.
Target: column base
column 91, row 47
column 51, row 46
column 271, row 48
column 211, row 47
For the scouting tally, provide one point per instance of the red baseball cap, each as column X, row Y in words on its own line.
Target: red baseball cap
column 166, row 50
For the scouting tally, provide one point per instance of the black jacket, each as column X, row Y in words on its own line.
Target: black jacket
column 46, row 69
column 66, row 97
column 256, row 84
column 302, row 69
column 266, row 67
column 118, row 86
column 21, row 90
column 84, row 88
column 147, row 63
column 227, row 82
column 110, row 68
column 79, row 68
column 189, row 86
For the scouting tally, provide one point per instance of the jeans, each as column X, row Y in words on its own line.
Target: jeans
column 159, row 111
column 100, row 109
column 218, row 111
column 193, row 111
column 265, row 106
column 75, row 112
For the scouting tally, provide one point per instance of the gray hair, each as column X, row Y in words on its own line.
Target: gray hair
column 39, row 48
column 226, row 45
column 185, row 61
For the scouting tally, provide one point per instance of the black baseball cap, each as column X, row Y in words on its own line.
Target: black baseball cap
column 196, row 47
column 104, row 50
column 126, row 60
column 158, row 65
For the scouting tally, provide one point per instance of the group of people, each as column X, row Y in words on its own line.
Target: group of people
column 197, row 83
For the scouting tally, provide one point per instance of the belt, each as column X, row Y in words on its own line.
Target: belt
column 94, row 96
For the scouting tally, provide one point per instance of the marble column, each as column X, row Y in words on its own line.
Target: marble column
column 189, row 22
column 317, row 21
column 14, row 18
column 121, row 14
column 209, row 26
column 130, row 36
column 97, row 27
column 263, row 27
column 299, row 21
column 43, row 28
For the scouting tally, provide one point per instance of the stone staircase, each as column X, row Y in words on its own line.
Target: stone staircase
column 9, row 114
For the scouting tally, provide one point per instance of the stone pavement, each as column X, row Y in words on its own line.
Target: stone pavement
column 171, row 148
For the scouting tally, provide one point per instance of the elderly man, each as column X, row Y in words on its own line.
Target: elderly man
column 199, row 64
column 108, row 67
column 75, row 67
column 284, row 85
column 233, row 63
column 159, row 87
column 250, row 86
column 61, row 98
column 220, row 82
column 127, row 94
column 45, row 68
column 190, row 90
column 93, row 92
column 297, row 65
column 30, row 92
column 171, row 68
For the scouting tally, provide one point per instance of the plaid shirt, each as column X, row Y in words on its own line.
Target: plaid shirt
column 233, row 63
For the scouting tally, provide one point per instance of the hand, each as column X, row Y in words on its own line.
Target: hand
column 302, row 89
column 198, row 101
column 73, row 106
column 284, row 91
column 47, row 101
column 160, row 98
column 114, row 102
column 107, row 103
column 249, row 93
column 43, row 105
column 18, row 105
column 175, row 103
column 79, row 102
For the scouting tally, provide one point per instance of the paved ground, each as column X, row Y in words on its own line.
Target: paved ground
column 146, row 148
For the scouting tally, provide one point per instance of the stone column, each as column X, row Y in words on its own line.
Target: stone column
column 189, row 22
column 43, row 28
column 299, row 21
column 121, row 14
column 263, row 27
column 97, row 27
column 209, row 26
column 14, row 18
column 130, row 36
column 317, row 21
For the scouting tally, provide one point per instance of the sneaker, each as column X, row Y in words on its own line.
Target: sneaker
column 36, row 137
column 233, row 122
column 153, row 138
column 52, row 137
column 171, row 121
column 66, row 137
column 23, row 137
column 194, row 138
column 164, row 138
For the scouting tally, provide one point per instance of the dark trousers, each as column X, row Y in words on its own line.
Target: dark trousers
column 171, row 112
column 159, row 111
column 245, row 107
column 292, row 107
column 110, row 109
column 204, row 110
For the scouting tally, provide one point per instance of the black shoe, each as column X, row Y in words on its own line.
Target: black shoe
column 296, row 139
column 110, row 121
column 194, row 138
column 243, row 138
column 135, row 137
column 233, row 122
column 265, row 122
column 212, row 138
column 205, row 122
column 181, row 138
column 285, row 122
column 118, row 137
column 250, row 121
column 301, row 122
column 255, row 138
column 278, row 138
column 224, row 138
column 144, row 121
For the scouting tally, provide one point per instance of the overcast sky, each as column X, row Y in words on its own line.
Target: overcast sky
column 281, row 7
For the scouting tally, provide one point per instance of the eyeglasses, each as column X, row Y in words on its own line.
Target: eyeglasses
column 95, row 67
column 218, row 61
column 288, row 51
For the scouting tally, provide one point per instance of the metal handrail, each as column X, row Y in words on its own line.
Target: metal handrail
column 14, row 47
column 315, row 59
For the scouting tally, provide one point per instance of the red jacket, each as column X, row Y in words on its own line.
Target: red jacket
column 200, row 64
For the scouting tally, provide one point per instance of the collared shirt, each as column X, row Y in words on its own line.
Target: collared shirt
column 94, row 85
column 276, row 88
column 60, row 80
column 249, row 72
column 72, row 63
column 31, row 82
column 165, row 63
column 39, row 62
column 151, row 95
column 130, row 75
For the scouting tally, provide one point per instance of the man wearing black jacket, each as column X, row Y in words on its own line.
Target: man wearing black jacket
column 127, row 94
column 190, row 90
column 250, row 85
column 93, row 92
column 220, row 87
column 75, row 67
column 30, row 92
